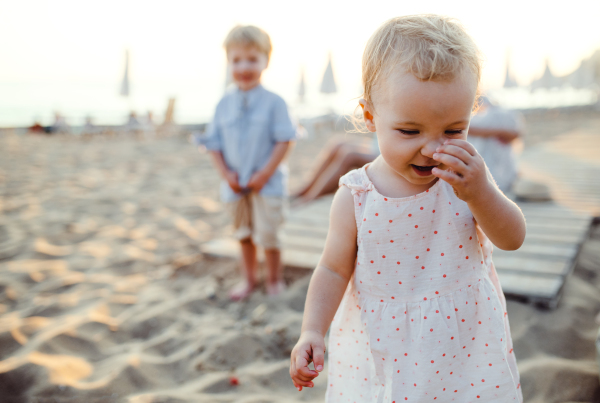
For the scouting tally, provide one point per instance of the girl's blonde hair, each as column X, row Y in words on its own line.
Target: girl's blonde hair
column 431, row 47
column 249, row 35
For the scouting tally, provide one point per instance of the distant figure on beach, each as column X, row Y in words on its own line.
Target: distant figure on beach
column 37, row 127
column 148, row 125
column 248, row 139
column 492, row 131
column 133, row 124
column 59, row 126
column 89, row 127
column 406, row 279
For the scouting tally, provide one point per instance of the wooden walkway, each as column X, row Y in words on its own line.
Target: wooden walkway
column 555, row 230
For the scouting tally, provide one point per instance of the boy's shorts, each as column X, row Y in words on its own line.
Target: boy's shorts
column 258, row 217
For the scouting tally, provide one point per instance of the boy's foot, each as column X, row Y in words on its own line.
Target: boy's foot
column 274, row 289
column 241, row 291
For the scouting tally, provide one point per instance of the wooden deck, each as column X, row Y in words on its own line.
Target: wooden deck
column 555, row 230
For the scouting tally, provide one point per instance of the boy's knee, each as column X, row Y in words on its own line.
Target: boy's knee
column 268, row 240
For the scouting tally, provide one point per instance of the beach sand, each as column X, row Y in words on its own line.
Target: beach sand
column 104, row 296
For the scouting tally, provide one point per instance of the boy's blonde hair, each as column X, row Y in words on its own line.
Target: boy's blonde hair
column 249, row 35
column 431, row 47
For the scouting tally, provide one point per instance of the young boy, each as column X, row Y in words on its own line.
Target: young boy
column 248, row 139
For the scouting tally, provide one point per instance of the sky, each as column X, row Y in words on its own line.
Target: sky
column 176, row 46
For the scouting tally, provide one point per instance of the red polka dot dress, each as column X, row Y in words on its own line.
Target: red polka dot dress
column 424, row 317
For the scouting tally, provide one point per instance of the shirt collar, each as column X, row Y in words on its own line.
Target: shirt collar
column 251, row 95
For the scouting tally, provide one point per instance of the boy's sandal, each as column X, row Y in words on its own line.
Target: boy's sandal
column 241, row 291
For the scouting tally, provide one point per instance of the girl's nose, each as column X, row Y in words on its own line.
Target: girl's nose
column 429, row 148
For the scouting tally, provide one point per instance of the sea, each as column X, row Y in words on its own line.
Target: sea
column 24, row 103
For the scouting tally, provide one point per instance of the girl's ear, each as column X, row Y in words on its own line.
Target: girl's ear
column 367, row 115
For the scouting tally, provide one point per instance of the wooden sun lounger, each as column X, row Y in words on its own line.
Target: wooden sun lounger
column 555, row 230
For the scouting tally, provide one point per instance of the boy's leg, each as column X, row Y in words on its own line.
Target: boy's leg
column 275, row 283
column 247, row 285
column 267, row 215
column 242, row 223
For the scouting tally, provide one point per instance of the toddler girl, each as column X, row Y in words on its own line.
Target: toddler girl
column 407, row 263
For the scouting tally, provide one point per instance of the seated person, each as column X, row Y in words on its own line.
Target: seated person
column 492, row 131
column 341, row 156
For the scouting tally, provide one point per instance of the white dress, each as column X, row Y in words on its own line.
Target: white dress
column 424, row 317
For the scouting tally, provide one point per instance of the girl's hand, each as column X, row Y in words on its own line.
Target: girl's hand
column 469, row 175
column 310, row 348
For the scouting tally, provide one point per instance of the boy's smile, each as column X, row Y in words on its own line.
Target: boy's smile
column 247, row 64
column 412, row 119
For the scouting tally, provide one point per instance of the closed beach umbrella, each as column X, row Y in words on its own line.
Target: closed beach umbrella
column 548, row 80
column 328, row 84
column 125, row 84
column 302, row 87
column 509, row 81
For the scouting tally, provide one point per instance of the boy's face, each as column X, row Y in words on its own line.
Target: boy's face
column 414, row 117
column 247, row 64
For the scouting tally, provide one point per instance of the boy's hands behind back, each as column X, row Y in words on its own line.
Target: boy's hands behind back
column 310, row 348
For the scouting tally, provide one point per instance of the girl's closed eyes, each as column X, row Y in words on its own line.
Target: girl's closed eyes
column 415, row 132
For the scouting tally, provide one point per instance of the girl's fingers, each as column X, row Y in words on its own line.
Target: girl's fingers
column 450, row 161
column 450, row 177
column 318, row 353
column 303, row 383
column 306, row 373
column 455, row 151
column 298, row 380
column 302, row 360
column 301, row 368
column 462, row 144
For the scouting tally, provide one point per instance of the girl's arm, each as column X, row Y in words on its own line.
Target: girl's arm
column 500, row 218
column 326, row 289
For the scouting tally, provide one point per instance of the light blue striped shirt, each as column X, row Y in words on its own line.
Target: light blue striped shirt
column 246, row 127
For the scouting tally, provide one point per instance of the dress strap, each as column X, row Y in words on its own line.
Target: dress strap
column 357, row 181
column 359, row 184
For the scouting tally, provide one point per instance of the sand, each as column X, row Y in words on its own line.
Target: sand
column 104, row 296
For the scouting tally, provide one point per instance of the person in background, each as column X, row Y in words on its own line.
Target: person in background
column 492, row 132
column 89, row 127
column 59, row 126
column 36, row 127
column 133, row 123
column 148, row 125
column 341, row 156
column 248, row 139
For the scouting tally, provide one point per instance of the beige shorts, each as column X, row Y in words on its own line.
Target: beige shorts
column 258, row 217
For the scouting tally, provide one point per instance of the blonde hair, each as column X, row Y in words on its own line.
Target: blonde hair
column 249, row 35
column 431, row 47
